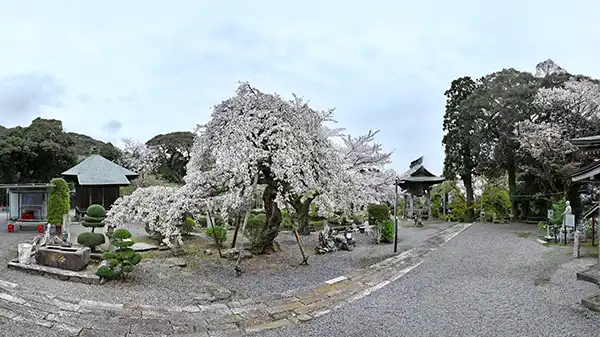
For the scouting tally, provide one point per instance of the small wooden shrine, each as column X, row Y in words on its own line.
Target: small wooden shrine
column 417, row 182
column 97, row 181
column 590, row 172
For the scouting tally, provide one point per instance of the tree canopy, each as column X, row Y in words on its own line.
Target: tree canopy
column 516, row 124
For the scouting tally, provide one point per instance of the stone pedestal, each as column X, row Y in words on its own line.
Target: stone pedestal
column 67, row 258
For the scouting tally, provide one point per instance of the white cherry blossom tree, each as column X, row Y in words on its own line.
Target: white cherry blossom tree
column 139, row 158
column 251, row 134
column 162, row 209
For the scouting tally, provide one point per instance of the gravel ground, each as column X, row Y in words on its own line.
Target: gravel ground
column 157, row 283
column 488, row 281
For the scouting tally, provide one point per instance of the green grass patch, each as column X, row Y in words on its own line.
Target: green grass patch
column 525, row 235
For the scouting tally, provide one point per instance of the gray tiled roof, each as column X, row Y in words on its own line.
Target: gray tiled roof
column 97, row 170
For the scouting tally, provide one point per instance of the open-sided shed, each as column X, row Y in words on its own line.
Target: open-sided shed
column 97, row 181
column 417, row 181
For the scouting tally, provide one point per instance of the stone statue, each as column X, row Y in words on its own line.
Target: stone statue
column 568, row 209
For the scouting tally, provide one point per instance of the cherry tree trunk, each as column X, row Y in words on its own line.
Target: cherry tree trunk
column 270, row 230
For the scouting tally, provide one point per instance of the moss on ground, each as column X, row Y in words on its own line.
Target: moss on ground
column 525, row 235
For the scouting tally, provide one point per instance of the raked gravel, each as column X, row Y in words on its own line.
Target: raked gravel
column 488, row 281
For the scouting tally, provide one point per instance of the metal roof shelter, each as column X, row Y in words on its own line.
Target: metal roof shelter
column 97, row 170
column 417, row 181
column 28, row 203
column 97, row 181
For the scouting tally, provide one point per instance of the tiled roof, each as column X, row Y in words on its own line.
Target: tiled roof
column 97, row 170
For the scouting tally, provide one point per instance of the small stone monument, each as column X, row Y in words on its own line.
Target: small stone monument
column 577, row 244
column 568, row 221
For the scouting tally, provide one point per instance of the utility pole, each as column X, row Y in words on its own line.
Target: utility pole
column 396, row 216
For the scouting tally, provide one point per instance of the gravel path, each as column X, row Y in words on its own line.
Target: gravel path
column 157, row 283
column 488, row 281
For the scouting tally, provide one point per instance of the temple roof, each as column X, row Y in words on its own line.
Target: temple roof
column 97, row 170
column 589, row 145
column 586, row 172
column 417, row 173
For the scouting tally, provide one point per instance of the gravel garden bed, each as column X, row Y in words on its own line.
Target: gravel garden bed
column 160, row 279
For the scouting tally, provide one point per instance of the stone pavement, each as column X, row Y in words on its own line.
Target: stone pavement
column 54, row 315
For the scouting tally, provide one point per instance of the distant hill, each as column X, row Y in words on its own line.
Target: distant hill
column 84, row 145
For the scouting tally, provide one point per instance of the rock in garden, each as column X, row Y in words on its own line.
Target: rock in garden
column 208, row 252
column 232, row 254
column 175, row 262
column 204, row 298
column 222, row 294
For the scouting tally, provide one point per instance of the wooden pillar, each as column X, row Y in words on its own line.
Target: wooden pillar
column 429, row 203
column 404, row 206
column 412, row 205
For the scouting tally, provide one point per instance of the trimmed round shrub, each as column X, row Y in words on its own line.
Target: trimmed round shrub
column 220, row 233
column 96, row 211
column 59, row 202
column 95, row 214
column 387, row 231
column 378, row 213
column 121, row 234
column 92, row 240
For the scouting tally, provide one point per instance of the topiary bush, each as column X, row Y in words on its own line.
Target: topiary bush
column 59, row 202
column 378, row 213
column 92, row 240
column 123, row 260
column 93, row 218
column 387, row 231
column 220, row 233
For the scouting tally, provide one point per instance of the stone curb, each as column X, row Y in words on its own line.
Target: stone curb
column 245, row 316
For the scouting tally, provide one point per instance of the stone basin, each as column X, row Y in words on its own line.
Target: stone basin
column 68, row 258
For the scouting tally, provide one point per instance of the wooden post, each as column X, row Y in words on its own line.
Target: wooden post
column 593, row 228
column 212, row 225
column 412, row 205
column 429, row 203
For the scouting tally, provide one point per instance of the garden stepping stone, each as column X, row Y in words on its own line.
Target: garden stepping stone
column 143, row 247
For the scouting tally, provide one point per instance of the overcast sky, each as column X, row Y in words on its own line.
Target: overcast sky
column 114, row 69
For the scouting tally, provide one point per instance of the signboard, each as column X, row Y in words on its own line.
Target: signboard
column 550, row 214
column 570, row 220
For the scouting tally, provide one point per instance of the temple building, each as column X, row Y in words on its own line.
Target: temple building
column 417, row 182
column 589, row 172
column 97, row 181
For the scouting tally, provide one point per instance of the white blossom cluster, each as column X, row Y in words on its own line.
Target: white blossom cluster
column 260, row 137
column 137, row 156
column 161, row 208
column 578, row 96
column 254, row 133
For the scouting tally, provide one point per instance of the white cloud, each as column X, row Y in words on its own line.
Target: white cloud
column 156, row 66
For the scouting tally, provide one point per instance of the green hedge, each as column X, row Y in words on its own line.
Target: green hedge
column 59, row 202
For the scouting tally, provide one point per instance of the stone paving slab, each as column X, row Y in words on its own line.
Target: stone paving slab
column 56, row 315
column 65, row 275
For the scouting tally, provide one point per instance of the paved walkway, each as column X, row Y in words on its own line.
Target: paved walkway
column 488, row 281
column 33, row 314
